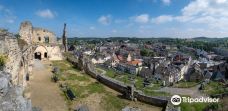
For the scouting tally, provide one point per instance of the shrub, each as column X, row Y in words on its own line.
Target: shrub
column 3, row 59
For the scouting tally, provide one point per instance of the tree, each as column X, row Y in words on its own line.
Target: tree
column 226, row 73
column 146, row 52
column 17, row 36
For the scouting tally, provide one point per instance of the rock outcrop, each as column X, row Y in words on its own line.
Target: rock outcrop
column 11, row 97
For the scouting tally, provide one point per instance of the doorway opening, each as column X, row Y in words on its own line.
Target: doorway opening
column 37, row 55
column 45, row 54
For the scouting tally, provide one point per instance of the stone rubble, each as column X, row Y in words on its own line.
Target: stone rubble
column 11, row 97
column 130, row 109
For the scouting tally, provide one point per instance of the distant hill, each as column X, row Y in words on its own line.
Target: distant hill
column 200, row 38
column 209, row 38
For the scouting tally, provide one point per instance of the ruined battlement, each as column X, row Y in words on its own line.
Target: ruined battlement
column 42, row 29
column 18, row 61
column 32, row 34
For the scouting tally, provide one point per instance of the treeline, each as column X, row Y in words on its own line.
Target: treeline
column 200, row 43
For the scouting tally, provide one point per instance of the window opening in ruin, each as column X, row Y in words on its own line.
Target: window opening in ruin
column 45, row 54
column 39, row 38
column 46, row 39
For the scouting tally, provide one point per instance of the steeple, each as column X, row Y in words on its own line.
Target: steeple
column 64, row 38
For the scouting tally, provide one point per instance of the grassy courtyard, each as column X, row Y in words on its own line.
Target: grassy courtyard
column 90, row 92
column 126, row 78
column 214, row 88
column 185, row 84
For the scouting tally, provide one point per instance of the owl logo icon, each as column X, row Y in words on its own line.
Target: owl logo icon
column 175, row 99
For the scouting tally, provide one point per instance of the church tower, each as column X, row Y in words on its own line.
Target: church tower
column 64, row 38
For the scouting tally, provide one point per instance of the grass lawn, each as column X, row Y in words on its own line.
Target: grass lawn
column 76, row 77
column 112, row 103
column 214, row 88
column 110, row 73
column 124, row 77
column 63, row 65
column 151, row 92
column 99, row 70
column 193, row 106
column 200, row 106
column 85, row 90
column 82, row 86
column 183, row 84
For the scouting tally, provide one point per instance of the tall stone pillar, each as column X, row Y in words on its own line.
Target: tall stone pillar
column 64, row 38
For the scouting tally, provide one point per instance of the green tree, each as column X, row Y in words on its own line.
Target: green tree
column 146, row 52
column 17, row 36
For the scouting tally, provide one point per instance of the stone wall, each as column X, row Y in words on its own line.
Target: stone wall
column 53, row 52
column 34, row 34
column 18, row 62
column 11, row 97
column 157, row 101
column 121, row 87
column 42, row 33
column 26, row 31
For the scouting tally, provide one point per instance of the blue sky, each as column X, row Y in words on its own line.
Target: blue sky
column 131, row 18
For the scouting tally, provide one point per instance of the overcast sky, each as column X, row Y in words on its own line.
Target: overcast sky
column 133, row 18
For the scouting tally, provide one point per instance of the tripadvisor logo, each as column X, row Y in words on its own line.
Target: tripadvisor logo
column 176, row 100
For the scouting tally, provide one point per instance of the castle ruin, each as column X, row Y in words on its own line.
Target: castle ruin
column 43, row 41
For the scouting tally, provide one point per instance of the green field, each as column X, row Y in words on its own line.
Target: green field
column 82, row 86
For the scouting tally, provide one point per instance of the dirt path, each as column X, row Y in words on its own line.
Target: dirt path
column 44, row 93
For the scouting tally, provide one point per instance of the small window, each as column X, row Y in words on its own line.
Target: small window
column 46, row 39
column 39, row 38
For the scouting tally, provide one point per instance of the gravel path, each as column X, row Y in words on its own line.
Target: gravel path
column 44, row 93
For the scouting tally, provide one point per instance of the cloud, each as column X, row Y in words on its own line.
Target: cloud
column 208, row 12
column 46, row 13
column 162, row 19
column 114, row 31
column 92, row 28
column 10, row 21
column 105, row 19
column 119, row 21
column 143, row 18
column 7, row 15
column 166, row 2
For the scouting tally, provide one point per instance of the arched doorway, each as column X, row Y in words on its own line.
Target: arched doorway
column 41, row 52
column 38, row 55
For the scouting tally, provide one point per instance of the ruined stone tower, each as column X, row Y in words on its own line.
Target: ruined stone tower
column 25, row 31
column 64, row 38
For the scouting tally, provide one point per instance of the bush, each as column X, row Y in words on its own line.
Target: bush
column 3, row 59
column 55, row 70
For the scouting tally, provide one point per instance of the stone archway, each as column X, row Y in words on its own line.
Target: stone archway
column 40, row 52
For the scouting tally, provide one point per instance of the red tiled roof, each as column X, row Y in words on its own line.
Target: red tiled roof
column 134, row 62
